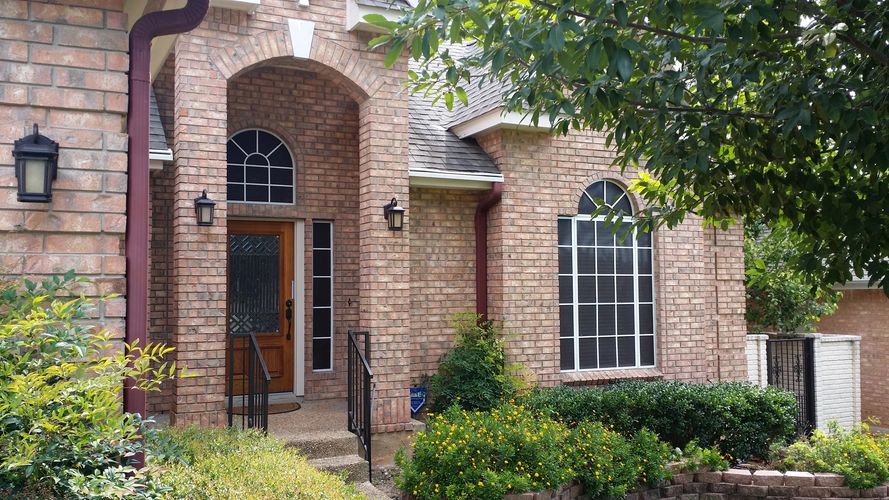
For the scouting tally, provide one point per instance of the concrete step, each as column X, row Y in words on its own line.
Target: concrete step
column 372, row 492
column 324, row 444
column 352, row 467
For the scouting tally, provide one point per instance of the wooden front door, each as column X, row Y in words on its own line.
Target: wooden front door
column 260, row 300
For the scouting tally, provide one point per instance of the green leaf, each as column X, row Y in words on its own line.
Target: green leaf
column 556, row 37
column 623, row 63
column 461, row 96
column 380, row 21
column 620, row 13
column 394, row 53
column 711, row 16
column 449, row 100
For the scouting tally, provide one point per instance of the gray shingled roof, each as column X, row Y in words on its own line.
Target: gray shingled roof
column 385, row 4
column 481, row 100
column 157, row 140
column 431, row 146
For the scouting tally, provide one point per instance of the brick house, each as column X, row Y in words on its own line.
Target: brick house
column 301, row 135
column 864, row 311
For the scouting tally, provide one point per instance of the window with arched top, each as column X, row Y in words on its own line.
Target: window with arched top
column 606, row 286
column 260, row 168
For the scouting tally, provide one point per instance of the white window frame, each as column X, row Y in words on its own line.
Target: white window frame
column 330, row 307
column 269, row 185
column 575, row 302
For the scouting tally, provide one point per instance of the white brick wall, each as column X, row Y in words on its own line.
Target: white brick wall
column 756, row 359
column 837, row 379
column 837, row 375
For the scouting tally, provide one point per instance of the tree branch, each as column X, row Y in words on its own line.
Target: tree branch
column 708, row 40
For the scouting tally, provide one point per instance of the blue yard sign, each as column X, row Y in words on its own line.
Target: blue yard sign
column 418, row 399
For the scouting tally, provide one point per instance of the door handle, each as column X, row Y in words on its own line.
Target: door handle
column 288, row 313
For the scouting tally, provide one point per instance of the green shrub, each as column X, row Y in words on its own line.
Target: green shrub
column 475, row 373
column 62, row 430
column 861, row 457
column 610, row 466
column 509, row 449
column 741, row 420
column 695, row 458
column 202, row 463
column 484, row 455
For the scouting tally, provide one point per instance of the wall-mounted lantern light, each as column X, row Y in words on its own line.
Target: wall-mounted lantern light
column 203, row 208
column 36, row 158
column 394, row 215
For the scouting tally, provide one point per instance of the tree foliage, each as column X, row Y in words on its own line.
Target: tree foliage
column 779, row 296
column 774, row 110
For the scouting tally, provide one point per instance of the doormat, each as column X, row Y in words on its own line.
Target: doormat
column 274, row 408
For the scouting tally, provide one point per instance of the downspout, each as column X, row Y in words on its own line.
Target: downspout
column 155, row 24
column 487, row 201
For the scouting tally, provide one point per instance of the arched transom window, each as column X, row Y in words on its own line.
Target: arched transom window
column 260, row 168
column 606, row 286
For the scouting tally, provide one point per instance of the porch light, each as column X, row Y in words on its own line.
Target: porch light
column 36, row 159
column 203, row 208
column 394, row 215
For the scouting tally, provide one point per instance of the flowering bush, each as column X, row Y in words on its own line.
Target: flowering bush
column 483, row 455
column 608, row 465
column 511, row 449
column 861, row 457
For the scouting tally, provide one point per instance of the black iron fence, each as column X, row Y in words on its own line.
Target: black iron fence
column 248, row 383
column 360, row 387
column 791, row 366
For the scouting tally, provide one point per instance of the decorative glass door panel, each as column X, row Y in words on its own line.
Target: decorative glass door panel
column 260, row 277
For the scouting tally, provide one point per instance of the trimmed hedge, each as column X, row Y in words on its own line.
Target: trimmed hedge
column 741, row 420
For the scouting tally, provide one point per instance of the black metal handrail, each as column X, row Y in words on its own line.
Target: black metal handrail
column 254, row 381
column 360, row 380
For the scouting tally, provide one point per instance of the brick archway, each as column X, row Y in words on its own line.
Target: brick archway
column 360, row 80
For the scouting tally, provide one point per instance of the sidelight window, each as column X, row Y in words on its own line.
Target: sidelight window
column 322, row 295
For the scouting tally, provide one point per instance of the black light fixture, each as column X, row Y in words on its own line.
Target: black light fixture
column 394, row 215
column 203, row 208
column 36, row 158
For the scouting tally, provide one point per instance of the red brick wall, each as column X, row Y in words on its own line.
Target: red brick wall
column 319, row 123
column 866, row 313
column 442, row 271
column 544, row 177
column 62, row 66
column 205, row 61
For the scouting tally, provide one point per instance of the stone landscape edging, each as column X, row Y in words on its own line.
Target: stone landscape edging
column 732, row 484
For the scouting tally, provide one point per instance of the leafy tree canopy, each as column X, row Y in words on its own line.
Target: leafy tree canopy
column 771, row 110
column 779, row 296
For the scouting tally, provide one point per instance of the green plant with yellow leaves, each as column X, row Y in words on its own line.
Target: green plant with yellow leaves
column 62, row 429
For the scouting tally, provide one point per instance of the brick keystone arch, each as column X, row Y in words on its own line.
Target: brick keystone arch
column 343, row 65
column 624, row 182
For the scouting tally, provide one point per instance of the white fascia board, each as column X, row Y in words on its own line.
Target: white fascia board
column 248, row 6
column 155, row 165
column 355, row 17
column 856, row 284
column 496, row 118
column 160, row 154
column 452, row 180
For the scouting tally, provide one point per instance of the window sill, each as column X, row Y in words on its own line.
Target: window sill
column 602, row 377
